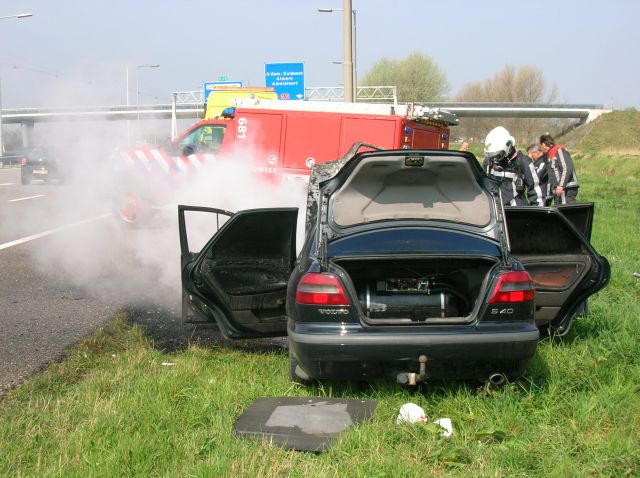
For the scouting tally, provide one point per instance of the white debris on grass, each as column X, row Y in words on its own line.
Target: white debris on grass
column 412, row 413
column 447, row 426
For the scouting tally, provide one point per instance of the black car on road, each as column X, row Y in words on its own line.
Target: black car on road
column 40, row 163
column 411, row 269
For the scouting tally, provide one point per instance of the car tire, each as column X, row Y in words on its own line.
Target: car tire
column 296, row 374
column 25, row 178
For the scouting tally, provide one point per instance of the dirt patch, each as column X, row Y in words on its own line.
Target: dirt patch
column 169, row 334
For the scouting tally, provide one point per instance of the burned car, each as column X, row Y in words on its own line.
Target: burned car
column 411, row 269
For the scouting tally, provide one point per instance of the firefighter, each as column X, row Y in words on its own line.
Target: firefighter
column 540, row 162
column 514, row 170
column 563, row 180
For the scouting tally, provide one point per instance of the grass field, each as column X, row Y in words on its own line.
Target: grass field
column 111, row 408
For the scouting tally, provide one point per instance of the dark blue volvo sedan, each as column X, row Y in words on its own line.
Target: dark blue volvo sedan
column 411, row 269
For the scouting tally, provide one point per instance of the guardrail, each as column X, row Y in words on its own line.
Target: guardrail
column 10, row 159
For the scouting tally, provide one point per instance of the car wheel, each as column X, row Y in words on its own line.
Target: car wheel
column 296, row 374
column 25, row 178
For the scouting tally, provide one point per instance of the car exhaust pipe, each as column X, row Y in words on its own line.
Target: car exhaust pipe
column 496, row 380
column 412, row 378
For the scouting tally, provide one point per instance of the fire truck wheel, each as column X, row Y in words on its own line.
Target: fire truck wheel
column 129, row 210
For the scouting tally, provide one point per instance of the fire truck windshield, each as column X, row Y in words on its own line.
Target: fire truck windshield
column 205, row 139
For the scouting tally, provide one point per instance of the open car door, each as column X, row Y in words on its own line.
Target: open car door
column 239, row 278
column 553, row 245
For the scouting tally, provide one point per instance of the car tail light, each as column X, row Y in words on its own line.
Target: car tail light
column 23, row 162
column 321, row 289
column 513, row 287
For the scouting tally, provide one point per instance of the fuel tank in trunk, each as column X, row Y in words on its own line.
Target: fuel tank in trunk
column 418, row 290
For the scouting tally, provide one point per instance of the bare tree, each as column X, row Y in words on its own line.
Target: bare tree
column 417, row 78
column 524, row 84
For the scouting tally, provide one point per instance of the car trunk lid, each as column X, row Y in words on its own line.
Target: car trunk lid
column 442, row 189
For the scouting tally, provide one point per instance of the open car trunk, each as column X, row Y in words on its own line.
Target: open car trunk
column 413, row 290
column 410, row 278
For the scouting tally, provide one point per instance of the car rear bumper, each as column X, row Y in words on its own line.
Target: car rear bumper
column 40, row 172
column 327, row 352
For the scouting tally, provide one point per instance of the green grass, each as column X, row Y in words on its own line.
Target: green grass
column 111, row 408
column 613, row 133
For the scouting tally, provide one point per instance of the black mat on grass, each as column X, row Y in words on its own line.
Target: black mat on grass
column 302, row 423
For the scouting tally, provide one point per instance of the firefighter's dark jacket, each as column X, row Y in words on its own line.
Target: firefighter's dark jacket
column 562, row 172
column 542, row 168
column 518, row 170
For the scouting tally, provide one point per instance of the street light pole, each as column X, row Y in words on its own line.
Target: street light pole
column 349, row 63
column 138, row 93
column 1, row 142
column 355, row 69
column 347, row 66
column 128, row 122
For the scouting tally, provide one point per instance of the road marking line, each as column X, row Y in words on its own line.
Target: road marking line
column 51, row 231
column 29, row 197
column 7, row 184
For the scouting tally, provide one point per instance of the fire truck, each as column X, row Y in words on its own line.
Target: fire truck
column 283, row 138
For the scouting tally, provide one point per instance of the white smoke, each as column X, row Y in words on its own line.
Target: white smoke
column 135, row 265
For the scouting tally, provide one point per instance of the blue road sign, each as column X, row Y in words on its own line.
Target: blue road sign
column 208, row 86
column 287, row 79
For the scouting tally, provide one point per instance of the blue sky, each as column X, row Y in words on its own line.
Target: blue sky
column 73, row 53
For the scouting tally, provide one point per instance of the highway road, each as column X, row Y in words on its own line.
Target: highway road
column 67, row 267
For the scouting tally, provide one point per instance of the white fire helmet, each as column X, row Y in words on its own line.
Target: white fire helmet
column 499, row 146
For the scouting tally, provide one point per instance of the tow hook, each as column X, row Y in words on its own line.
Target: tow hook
column 412, row 378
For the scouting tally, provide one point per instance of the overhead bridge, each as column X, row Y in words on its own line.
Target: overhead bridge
column 584, row 113
column 27, row 117
column 100, row 113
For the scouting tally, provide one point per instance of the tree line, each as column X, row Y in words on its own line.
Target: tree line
column 419, row 79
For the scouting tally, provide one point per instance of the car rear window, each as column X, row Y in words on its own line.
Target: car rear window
column 37, row 153
column 413, row 241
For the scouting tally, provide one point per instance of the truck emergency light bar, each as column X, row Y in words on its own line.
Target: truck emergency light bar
column 410, row 110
